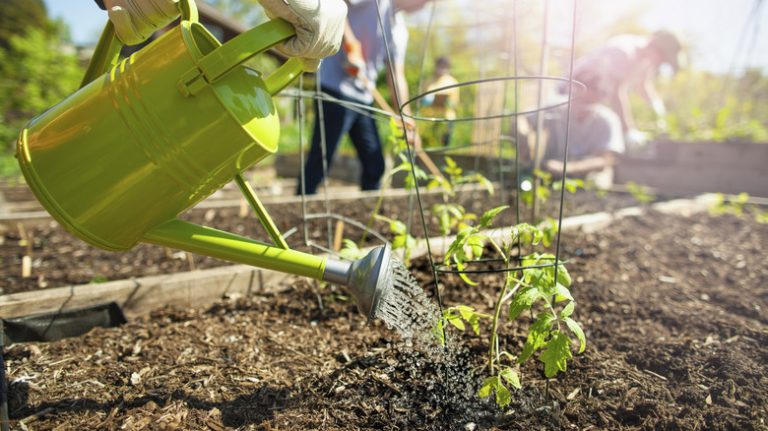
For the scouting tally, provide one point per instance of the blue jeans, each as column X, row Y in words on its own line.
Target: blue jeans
column 339, row 121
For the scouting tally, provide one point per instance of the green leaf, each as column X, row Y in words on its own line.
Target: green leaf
column 461, row 267
column 465, row 311
column 526, row 234
column 549, row 231
column 503, row 396
column 489, row 384
column 556, row 354
column 445, row 223
column 474, row 323
column 476, row 243
column 487, row 218
column 510, row 376
column 522, row 301
column 563, row 277
column 567, row 310
column 397, row 227
column 562, row 293
column 485, row 182
column 451, row 168
column 576, row 329
column 537, row 335
column 456, row 249
column 456, row 321
column 455, row 210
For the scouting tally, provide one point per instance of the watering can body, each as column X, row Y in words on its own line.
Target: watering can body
column 153, row 135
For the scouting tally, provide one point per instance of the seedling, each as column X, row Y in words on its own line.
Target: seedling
column 451, row 215
column 538, row 286
column 402, row 240
column 736, row 205
column 640, row 193
column 545, row 186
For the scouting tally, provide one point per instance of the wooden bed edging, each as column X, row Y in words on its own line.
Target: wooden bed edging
column 200, row 288
column 139, row 296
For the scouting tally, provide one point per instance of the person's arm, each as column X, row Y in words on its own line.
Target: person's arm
column 355, row 62
column 398, row 86
column 651, row 96
column 624, row 109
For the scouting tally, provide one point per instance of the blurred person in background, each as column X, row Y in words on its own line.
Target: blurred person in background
column 628, row 63
column 442, row 103
column 350, row 76
column 602, row 124
column 595, row 138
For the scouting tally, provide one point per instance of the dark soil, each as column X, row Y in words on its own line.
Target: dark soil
column 59, row 259
column 673, row 308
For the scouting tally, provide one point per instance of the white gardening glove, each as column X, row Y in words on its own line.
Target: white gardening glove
column 636, row 140
column 319, row 27
column 661, row 114
column 136, row 20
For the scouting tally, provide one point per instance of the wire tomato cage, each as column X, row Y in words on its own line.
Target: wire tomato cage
column 410, row 110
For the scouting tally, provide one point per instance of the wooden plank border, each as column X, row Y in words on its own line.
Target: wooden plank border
column 200, row 288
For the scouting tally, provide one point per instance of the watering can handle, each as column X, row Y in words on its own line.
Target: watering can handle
column 238, row 50
column 107, row 51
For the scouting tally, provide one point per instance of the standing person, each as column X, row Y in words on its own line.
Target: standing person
column 319, row 24
column 441, row 104
column 629, row 63
column 350, row 76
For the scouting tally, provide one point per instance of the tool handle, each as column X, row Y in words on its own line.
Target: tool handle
column 246, row 45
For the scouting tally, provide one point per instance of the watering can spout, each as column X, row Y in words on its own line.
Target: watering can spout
column 366, row 279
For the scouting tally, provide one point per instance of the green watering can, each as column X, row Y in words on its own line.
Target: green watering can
column 148, row 137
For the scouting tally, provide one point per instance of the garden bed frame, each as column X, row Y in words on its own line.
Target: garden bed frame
column 139, row 296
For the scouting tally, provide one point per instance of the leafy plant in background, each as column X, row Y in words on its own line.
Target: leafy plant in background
column 451, row 215
column 737, row 206
column 639, row 192
column 703, row 106
column 537, row 288
column 36, row 72
column 402, row 238
column 546, row 186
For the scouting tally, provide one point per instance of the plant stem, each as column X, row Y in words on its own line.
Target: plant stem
column 492, row 348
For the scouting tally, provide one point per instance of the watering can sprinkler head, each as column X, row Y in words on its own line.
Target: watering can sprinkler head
column 367, row 279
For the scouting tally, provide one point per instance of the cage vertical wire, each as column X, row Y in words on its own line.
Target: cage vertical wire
column 512, row 138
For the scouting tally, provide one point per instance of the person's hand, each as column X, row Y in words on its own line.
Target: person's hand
column 319, row 27
column 411, row 134
column 355, row 62
column 661, row 114
column 635, row 139
column 136, row 20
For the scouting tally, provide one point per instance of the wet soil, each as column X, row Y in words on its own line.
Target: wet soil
column 673, row 309
column 59, row 259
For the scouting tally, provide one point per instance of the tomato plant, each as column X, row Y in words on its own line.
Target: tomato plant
column 539, row 285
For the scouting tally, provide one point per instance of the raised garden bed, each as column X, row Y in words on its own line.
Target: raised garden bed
column 698, row 167
column 673, row 307
column 59, row 259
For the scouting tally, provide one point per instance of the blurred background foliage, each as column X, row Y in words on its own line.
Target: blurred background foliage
column 38, row 68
